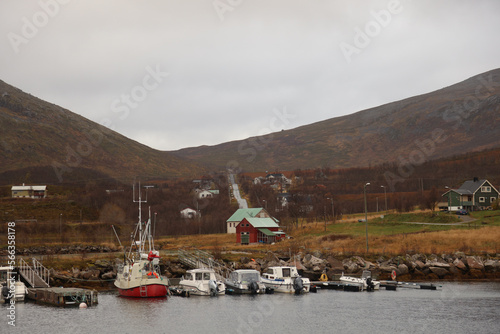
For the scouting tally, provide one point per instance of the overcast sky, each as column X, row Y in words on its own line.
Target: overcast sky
column 180, row 73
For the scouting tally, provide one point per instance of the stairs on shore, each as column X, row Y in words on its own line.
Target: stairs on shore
column 36, row 275
column 202, row 259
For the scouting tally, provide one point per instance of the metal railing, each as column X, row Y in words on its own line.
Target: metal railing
column 201, row 259
column 37, row 275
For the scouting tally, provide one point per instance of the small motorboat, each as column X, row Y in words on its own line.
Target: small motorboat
column 202, row 282
column 10, row 289
column 286, row 279
column 245, row 281
column 365, row 281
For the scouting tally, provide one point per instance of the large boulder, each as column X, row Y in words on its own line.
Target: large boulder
column 108, row 275
column 441, row 272
column 252, row 265
column 439, row 264
column 474, row 263
column 335, row 265
column 459, row 264
column 492, row 265
column 91, row 274
column 387, row 268
column 420, row 265
column 350, row 267
column 311, row 261
column 402, row 269
column 75, row 272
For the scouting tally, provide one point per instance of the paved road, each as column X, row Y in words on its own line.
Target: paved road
column 236, row 192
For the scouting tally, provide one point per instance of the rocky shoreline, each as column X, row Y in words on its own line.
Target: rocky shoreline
column 417, row 267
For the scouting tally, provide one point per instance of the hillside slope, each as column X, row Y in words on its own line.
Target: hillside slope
column 457, row 119
column 42, row 137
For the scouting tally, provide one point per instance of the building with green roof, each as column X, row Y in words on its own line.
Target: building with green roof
column 240, row 214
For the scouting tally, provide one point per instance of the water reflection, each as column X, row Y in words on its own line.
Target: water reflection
column 457, row 308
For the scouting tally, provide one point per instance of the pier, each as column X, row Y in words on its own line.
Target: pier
column 392, row 285
column 37, row 277
column 63, row 296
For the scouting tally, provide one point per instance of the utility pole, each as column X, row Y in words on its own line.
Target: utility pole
column 385, row 195
column 366, row 216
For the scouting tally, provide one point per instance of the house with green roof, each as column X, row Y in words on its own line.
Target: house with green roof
column 472, row 195
column 258, row 230
column 238, row 216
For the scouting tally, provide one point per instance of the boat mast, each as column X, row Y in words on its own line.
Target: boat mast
column 140, row 201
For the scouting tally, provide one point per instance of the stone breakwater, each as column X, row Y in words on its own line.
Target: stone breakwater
column 408, row 267
column 416, row 267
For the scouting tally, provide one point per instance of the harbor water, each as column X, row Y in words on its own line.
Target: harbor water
column 455, row 308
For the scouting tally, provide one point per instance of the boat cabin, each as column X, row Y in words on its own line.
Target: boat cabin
column 245, row 276
column 281, row 272
column 200, row 275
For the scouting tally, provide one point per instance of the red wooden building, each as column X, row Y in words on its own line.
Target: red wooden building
column 255, row 230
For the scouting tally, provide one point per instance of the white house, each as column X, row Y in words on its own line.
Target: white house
column 189, row 213
column 29, row 191
column 204, row 194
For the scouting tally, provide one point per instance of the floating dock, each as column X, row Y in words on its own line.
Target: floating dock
column 63, row 296
column 392, row 285
column 353, row 287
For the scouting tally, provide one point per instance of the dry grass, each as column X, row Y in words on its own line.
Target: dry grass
column 474, row 241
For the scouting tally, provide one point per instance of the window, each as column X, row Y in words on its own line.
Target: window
column 481, row 200
column 199, row 276
column 492, row 199
column 206, row 276
column 286, row 272
column 486, row 189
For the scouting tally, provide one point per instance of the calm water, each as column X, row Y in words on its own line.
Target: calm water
column 456, row 308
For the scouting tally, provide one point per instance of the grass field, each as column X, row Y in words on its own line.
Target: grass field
column 388, row 236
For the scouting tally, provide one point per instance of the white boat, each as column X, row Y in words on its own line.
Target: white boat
column 286, row 279
column 140, row 275
column 365, row 281
column 8, row 292
column 202, row 282
column 245, row 281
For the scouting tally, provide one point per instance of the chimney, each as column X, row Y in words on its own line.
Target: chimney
column 476, row 179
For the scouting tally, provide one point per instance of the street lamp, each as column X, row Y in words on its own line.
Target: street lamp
column 449, row 197
column 385, row 194
column 366, row 216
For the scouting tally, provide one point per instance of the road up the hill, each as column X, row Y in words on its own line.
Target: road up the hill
column 236, row 192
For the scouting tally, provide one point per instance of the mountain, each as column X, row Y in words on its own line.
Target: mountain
column 42, row 142
column 457, row 119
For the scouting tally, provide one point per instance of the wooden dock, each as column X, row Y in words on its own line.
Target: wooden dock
column 63, row 296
